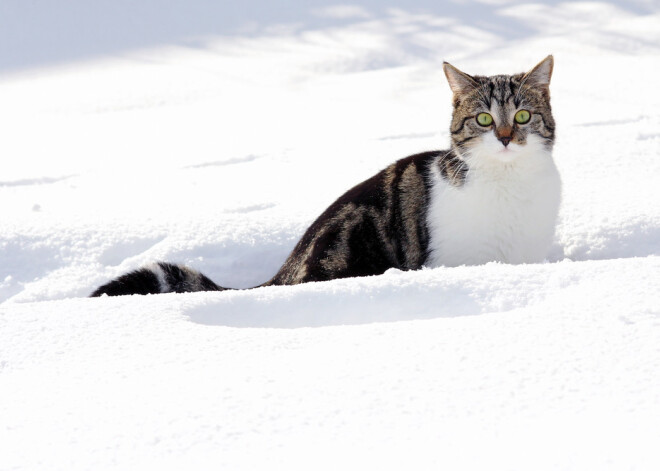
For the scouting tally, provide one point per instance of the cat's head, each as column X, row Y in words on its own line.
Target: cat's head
column 502, row 118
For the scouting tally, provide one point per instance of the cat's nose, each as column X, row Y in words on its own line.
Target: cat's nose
column 504, row 134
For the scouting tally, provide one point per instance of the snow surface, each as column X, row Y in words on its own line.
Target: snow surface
column 212, row 135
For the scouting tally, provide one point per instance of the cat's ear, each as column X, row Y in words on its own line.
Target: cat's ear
column 459, row 82
column 540, row 75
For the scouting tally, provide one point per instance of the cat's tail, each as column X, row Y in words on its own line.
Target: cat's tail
column 158, row 278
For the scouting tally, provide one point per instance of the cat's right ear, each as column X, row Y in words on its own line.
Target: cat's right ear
column 459, row 82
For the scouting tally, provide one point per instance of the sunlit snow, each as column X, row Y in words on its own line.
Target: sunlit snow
column 212, row 134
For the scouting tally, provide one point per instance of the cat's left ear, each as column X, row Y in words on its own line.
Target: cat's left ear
column 540, row 75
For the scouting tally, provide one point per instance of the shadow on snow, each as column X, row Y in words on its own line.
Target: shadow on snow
column 44, row 33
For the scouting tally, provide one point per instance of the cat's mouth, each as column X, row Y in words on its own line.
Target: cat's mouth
column 507, row 153
column 490, row 149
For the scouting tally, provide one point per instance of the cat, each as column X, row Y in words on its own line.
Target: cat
column 493, row 196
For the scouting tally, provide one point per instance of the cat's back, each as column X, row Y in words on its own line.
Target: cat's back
column 376, row 225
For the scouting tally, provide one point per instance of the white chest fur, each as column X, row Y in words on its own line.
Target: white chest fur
column 505, row 212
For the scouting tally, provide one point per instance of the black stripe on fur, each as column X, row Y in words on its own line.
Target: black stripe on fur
column 175, row 278
column 142, row 281
column 185, row 280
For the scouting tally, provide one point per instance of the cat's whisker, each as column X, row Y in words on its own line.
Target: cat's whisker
column 483, row 94
column 520, row 89
column 461, row 169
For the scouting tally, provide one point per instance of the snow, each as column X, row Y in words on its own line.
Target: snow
column 211, row 135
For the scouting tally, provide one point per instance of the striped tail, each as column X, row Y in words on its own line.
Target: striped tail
column 158, row 278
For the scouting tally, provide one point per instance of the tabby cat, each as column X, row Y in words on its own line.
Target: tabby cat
column 493, row 196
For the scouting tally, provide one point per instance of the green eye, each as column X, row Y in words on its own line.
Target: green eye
column 522, row 117
column 484, row 119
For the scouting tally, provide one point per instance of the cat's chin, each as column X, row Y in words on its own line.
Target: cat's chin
column 492, row 150
column 506, row 154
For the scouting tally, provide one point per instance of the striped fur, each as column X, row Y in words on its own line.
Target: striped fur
column 494, row 195
column 158, row 278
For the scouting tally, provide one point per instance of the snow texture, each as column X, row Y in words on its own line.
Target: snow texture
column 212, row 135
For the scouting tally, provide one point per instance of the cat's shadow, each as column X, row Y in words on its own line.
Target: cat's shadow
column 334, row 303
